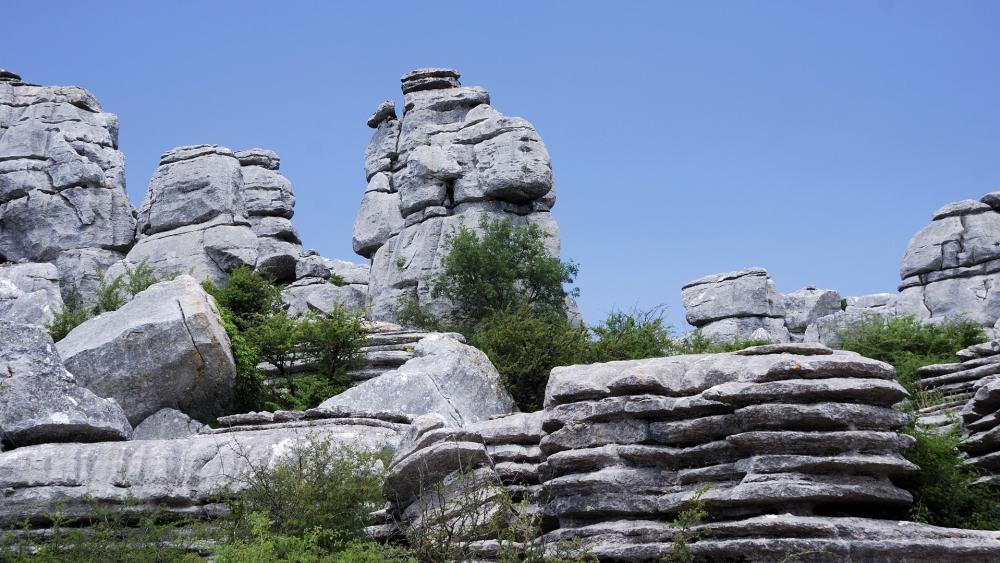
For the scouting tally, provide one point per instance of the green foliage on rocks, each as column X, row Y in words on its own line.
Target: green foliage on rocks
column 908, row 344
column 261, row 330
column 630, row 336
column 73, row 314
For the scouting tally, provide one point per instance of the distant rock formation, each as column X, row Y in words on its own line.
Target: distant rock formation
column 62, row 182
column 951, row 268
column 736, row 306
column 447, row 161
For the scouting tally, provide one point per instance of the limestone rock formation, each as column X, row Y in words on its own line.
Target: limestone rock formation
column 167, row 424
column 449, row 159
column 857, row 311
column 951, row 266
column 62, row 181
column 736, row 306
column 209, row 210
column 807, row 305
column 186, row 475
column 955, row 384
column 29, row 293
column 164, row 349
column 981, row 418
column 322, row 283
column 445, row 377
column 41, row 402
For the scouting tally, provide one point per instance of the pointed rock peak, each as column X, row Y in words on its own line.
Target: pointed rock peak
column 429, row 79
column 8, row 75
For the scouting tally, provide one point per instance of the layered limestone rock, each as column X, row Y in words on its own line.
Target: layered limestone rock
column 783, row 428
column 30, row 293
column 951, row 266
column 736, row 306
column 445, row 377
column 41, row 402
column 209, row 210
column 981, row 415
column 450, row 159
column 62, row 181
column 166, row 348
column 953, row 385
column 190, row 475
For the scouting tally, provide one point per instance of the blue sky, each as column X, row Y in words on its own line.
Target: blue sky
column 811, row 138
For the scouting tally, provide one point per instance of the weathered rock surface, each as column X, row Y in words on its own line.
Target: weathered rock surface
column 41, row 402
column 209, row 210
column 951, row 265
column 449, row 160
column 184, row 475
column 445, row 377
column 164, row 349
column 62, row 177
column 736, row 306
column 29, row 293
column 805, row 306
column 322, row 283
column 167, row 424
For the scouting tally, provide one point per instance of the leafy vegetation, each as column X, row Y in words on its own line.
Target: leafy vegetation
column 908, row 344
column 943, row 490
column 312, row 353
column 687, row 529
column 112, row 294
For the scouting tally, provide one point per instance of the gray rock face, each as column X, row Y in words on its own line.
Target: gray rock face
column 167, row 424
column 445, row 377
column 62, row 178
column 164, row 349
column 185, row 475
column 450, row 159
column 805, row 306
column 29, row 293
column 41, row 402
column 951, row 265
column 323, row 283
column 736, row 305
column 209, row 210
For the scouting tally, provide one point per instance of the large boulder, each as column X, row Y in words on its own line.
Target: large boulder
column 40, row 401
column 29, row 293
column 62, row 177
column 166, row 348
column 450, row 159
column 167, row 424
column 445, row 377
column 736, row 306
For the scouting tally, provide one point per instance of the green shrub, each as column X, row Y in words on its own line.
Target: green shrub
column 698, row 343
column 248, row 387
column 276, row 338
column 248, row 295
column 109, row 294
column 630, row 336
column 410, row 313
column 321, row 489
column 72, row 315
column 507, row 268
column 525, row 345
column 336, row 279
column 943, row 492
column 333, row 341
column 909, row 344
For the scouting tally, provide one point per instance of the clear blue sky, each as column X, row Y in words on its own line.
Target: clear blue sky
column 811, row 138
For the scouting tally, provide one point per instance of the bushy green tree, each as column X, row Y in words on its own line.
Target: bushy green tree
column 630, row 336
column 506, row 268
column 73, row 314
column 248, row 295
column 525, row 345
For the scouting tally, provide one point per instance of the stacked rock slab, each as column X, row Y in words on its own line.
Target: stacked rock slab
column 189, row 475
column 62, row 181
column 736, row 306
column 980, row 416
column 388, row 347
column 953, row 385
column 450, row 159
column 30, row 293
column 783, row 428
column 951, row 267
column 209, row 210
column 41, row 402
column 443, row 475
column 323, row 283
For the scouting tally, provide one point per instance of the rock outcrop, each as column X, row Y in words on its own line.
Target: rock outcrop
column 981, row 415
column 41, row 402
column 189, row 475
column 30, row 293
column 445, row 377
column 736, row 306
column 323, row 283
column 951, row 266
column 209, row 210
column 164, row 349
column 62, row 181
column 450, row 159
column 167, row 424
